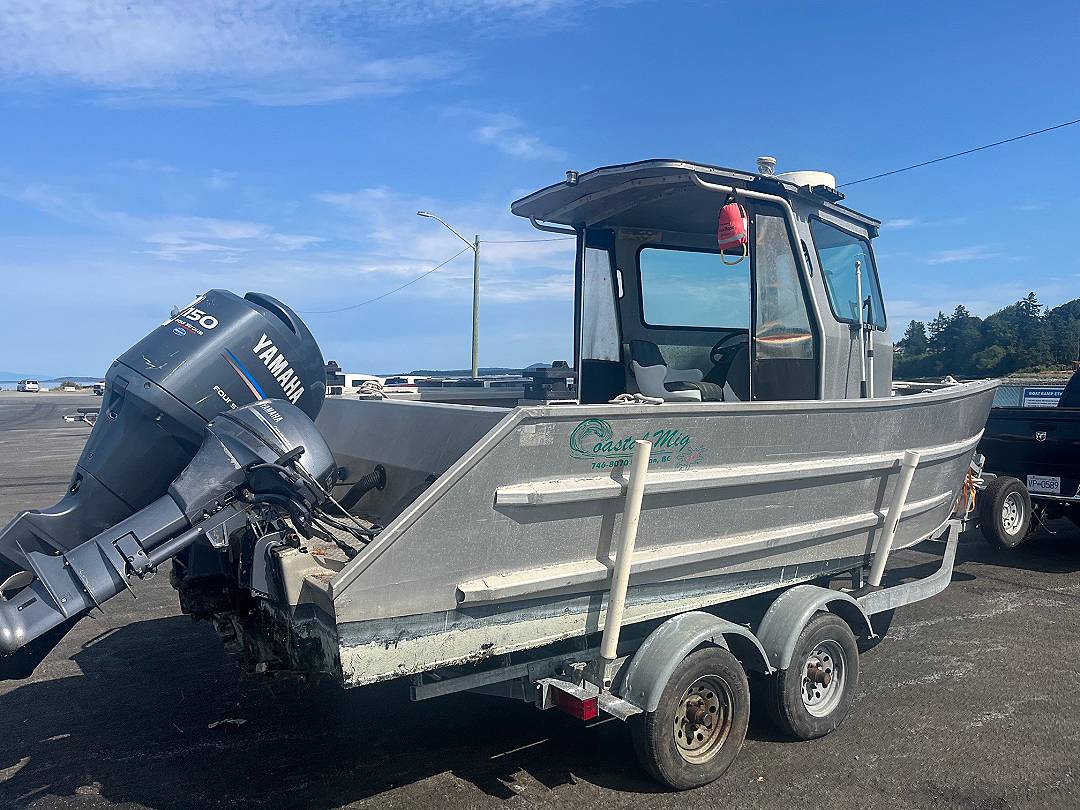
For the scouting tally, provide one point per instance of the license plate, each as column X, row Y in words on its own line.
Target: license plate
column 1046, row 484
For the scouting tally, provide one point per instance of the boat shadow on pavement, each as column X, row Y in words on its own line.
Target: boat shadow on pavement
column 159, row 717
column 1053, row 548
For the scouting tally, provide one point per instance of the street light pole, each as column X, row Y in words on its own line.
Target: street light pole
column 475, row 245
column 476, row 307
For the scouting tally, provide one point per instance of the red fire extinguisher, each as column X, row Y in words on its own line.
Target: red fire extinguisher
column 731, row 230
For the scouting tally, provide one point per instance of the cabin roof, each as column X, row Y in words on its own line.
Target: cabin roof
column 657, row 193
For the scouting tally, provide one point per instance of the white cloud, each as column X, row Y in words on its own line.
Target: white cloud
column 904, row 223
column 202, row 51
column 220, row 180
column 558, row 287
column 507, row 133
column 268, row 52
column 483, row 13
column 925, row 301
column 517, row 263
column 369, row 242
column 963, row 254
column 898, row 224
column 187, row 235
column 386, row 222
column 170, row 237
column 213, row 179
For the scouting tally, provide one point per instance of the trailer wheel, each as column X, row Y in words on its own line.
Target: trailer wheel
column 1004, row 512
column 814, row 695
column 700, row 722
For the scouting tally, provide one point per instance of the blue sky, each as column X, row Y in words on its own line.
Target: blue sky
column 151, row 151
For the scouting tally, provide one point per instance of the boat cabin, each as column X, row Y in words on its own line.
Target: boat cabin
column 698, row 283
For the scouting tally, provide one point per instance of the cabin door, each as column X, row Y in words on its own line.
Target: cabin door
column 785, row 345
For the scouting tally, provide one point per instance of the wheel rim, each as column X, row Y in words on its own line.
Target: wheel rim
column 703, row 719
column 824, row 678
column 1012, row 513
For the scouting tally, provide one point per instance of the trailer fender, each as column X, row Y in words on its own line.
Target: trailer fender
column 648, row 672
column 788, row 615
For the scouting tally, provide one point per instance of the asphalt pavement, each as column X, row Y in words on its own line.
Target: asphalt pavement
column 971, row 701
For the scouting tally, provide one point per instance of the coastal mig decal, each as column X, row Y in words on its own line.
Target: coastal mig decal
column 594, row 440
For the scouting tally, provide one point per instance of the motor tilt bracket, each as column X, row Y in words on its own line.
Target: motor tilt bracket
column 135, row 555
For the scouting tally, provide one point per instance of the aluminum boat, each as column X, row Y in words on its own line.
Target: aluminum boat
column 777, row 440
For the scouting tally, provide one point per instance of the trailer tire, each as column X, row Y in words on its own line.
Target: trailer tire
column 805, row 704
column 1004, row 508
column 677, row 743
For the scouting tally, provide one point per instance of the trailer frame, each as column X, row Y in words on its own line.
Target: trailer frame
column 643, row 665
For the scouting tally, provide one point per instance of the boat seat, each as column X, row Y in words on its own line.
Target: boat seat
column 656, row 379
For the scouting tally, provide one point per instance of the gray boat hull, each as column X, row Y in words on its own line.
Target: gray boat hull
column 509, row 547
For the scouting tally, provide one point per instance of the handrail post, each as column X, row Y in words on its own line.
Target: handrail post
column 620, row 577
column 892, row 517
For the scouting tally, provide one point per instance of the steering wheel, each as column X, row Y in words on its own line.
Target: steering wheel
column 721, row 355
column 721, row 352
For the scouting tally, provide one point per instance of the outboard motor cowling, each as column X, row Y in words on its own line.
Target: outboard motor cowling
column 264, row 455
column 216, row 354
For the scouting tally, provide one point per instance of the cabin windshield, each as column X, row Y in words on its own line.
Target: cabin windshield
column 838, row 251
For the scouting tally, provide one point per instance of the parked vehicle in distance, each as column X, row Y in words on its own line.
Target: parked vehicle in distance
column 28, row 386
column 1032, row 468
column 99, row 389
column 354, row 381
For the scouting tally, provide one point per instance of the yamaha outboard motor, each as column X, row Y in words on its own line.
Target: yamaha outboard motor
column 219, row 353
column 268, row 454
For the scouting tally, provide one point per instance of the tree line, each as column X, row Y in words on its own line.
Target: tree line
column 1022, row 337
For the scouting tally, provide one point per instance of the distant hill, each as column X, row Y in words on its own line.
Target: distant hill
column 11, row 376
column 73, row 378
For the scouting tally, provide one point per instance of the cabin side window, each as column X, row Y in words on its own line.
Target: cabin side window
column 837, row 252
column 599, row 350
column 695, row 289
column 599, row 320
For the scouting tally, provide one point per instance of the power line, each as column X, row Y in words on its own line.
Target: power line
column 428, row 273
column 520, row 241
column 961, row 154
column 390, row 292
